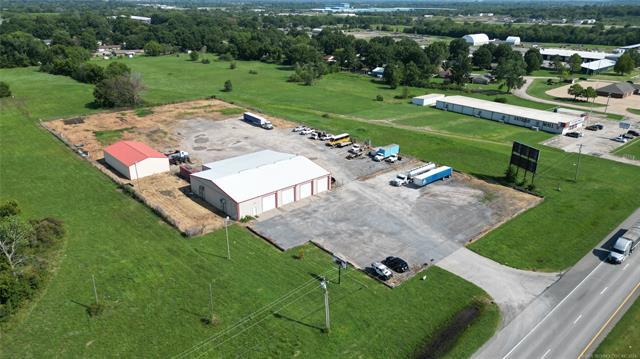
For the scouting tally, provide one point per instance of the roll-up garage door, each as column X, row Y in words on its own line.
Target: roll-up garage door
column 305, row 190
column 268, row 202
column 322, row 185
column 287, row 195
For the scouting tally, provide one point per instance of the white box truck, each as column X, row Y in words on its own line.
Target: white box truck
column 625, row 245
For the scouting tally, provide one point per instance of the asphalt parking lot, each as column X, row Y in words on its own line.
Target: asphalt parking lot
column 595, row 143
column 368, row 220
column 210, row 140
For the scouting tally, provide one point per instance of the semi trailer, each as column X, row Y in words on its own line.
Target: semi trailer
column 404, row 178
column 257, row 120
column 436, row 174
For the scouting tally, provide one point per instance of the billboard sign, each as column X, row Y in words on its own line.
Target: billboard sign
column 525, row 157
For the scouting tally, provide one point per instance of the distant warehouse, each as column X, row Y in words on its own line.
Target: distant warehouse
column 251, row 184
column 515, row 115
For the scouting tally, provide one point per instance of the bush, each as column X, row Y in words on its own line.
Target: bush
column 4, row 90
column 226, row 57
column 47, row 230
column 119, row 91
column 232, row 65
column 246, row 219
column 228, row 86
column 194, row 55
column 206, row 61
column 10, row 208
column 253, row 72
column 379, row 98
column 500, row 100
column 300, row 255
column 88, row 73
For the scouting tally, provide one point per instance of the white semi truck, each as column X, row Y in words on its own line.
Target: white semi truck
column 404, row 178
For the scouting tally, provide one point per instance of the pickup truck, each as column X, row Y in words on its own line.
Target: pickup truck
column 400, row 180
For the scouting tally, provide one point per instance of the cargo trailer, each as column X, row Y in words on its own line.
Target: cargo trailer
column 439, row 173
column 257, row 120
column 388, row 150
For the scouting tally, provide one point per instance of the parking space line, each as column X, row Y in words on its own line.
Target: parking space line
column 578, row 318
column 625, row 267
column 545, row 353
column 604, row 290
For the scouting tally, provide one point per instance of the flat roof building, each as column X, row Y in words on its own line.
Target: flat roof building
column 427, row 100
column 135, row 160
column 514, row 115
column 254, row 183
column 565, row 54
column 597, row 66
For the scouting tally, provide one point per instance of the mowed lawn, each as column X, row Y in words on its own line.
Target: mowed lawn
column 155, row 283
column 624, row 339
column 631, row 148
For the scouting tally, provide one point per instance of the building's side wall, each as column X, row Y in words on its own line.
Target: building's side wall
column 505, row 118
column 206, row 190
column 149, row 166
column 117, row 165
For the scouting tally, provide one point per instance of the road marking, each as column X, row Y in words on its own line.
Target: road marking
column 551, row 312
column 604, row 290
column 578, row 318
column 545, row 354
column 609, row 320
column 625, row 267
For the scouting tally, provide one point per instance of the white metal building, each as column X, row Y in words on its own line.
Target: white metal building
column 564, row 54
column 476, row 39
column 514, row 115
column 427, row 100
column 135, row 159
column 254, row 183
column 513, row 40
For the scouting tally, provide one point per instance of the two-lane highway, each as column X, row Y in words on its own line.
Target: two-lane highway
column 573, row 315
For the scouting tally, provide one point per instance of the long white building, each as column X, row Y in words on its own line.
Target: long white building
column 254, row 183
column 515, row 115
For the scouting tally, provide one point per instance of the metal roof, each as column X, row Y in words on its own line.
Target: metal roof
column 595, row 55
column 598, row 64
column 620, row 88
column 476, row 38
column 130, row 152
column 256, row 174
column 525, row 112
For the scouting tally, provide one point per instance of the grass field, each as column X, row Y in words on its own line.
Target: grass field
column 634, row 110
column 624, row 340
column 631, row 148
column 154, row 283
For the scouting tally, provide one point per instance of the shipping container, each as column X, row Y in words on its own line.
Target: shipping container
column 422, row 169
column 439, row 173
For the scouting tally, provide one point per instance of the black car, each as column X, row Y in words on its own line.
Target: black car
column 574, row 134
column 396, row 264
column 599, row 126
column 592, row 128
column 633, row 133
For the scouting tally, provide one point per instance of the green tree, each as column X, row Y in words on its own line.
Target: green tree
column 482, row 57
column 458, row 48
column 437, row 52
column 116, row 69
column 412, row 75
column 87, row 40
column 533, row 59
column 228, row 86
column 88, row 73
column 510, row 72
column 576, row 90
column 502, row 52
column 5, row 91
column 575, row 63
column 460, row 68
column 119, row 91
column 153, row 48
column 624, row 65
column 18, row 49
column 589, row 92
column 61, row 37
column 194, row 55
column 393, row 75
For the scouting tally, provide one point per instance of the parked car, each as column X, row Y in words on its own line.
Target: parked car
column 620, row 139
column 574, row 134
column 391, row 159
column 314, row 136
column 306, row 131
column 381, row 270
column 634, row 133
column 355, row 148
column 599, row 126
column 326, row 136
column 396, row 264
column 298, row 128
column 628, row 136
column 596, row 127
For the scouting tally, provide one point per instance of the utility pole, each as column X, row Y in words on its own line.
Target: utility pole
column 575, row 179
column 327, row 322
column 95, row 291
column 607, row 106
column 226, row 232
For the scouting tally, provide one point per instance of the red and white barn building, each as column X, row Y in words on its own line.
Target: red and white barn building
column 135, row 159
column 254, row 183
